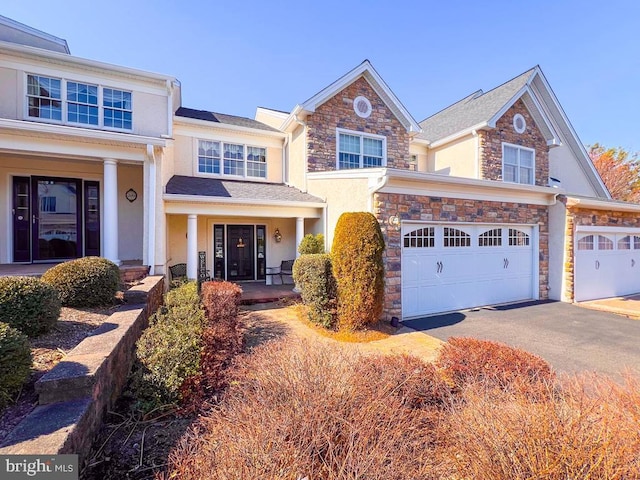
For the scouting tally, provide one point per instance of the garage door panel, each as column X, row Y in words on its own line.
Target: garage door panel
column 465, row 266
column 606, row 264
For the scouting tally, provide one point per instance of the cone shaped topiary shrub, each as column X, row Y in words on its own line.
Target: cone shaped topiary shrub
column 356, row 256
column 85, row 282
column 15, row 362
column 28, row 304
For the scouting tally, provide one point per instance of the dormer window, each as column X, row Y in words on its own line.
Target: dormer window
column 358, row 150
column 518, row 164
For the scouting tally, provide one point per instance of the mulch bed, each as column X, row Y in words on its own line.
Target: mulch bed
column 74, row 325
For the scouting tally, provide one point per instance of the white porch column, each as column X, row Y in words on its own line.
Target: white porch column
column 110, row 211
column 299, row 233
column 192, row 247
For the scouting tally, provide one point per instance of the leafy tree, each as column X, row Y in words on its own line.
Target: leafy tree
column 619, row 170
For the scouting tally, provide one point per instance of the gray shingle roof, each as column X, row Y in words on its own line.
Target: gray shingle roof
column 222, row 118
column 476, row 108
column 237, row 189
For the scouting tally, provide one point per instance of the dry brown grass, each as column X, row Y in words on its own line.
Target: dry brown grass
column 300, row 409
column 372, row 333
column 587, row 427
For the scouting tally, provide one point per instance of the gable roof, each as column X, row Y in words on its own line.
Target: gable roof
column 222, row 118
column 21, row 34
column 365, row 70
column 237, row 190
column 484, row 109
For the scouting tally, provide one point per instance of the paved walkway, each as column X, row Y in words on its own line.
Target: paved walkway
column 281, row 320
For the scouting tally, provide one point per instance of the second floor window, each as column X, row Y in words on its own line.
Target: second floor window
column 360, row 151
column 518, row 164
column 232, row 159
column 67, row 101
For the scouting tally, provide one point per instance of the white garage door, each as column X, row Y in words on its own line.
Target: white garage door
column 607, row 263
column 450, row 267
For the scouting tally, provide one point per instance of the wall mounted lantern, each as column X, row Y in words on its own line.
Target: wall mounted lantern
column 277, row 236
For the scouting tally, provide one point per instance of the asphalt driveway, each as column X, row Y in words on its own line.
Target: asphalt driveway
column 570, row 337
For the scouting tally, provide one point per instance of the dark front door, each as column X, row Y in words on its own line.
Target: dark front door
column 21, row 219
column 240, row 251
column 56, row 205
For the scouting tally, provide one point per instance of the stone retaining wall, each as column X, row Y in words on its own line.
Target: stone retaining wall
column 76, row 393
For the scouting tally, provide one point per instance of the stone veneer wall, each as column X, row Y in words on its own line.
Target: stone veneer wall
column 584, row 216
column 450, row 210
column 338, row 112
column 491, row 145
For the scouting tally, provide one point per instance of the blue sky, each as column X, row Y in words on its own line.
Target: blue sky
column 234, row 56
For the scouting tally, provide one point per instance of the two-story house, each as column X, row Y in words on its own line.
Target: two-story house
column 80, row 142
column 493, row 199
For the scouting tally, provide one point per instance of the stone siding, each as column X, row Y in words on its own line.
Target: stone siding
column 450, row 210
column 338, row 112
column 491, row 145
column 584, row 216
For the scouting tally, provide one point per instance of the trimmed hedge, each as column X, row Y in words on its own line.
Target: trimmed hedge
column 28, row 304
column 314, row 277
column 15, row 362
column 311, row 244
column 168, row 352
column 85, row 282
column 356, row 255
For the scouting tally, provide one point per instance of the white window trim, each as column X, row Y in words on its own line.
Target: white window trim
column 516, row 117
column 533, row 166
column 245, row 146
column 64, row 101
column 361, row 135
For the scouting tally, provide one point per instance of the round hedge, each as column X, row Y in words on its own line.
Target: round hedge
column 85, row 282
column 28, row 304
column 15, row 362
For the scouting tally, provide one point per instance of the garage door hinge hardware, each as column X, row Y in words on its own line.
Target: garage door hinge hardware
column 597, row 265
column 440, row 266
column 506, row 263
column 633, row 262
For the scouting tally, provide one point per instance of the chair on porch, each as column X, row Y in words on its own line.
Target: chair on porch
column 285, row 268
column 179, row 270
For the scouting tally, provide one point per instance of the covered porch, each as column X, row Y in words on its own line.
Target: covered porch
column 235, row 230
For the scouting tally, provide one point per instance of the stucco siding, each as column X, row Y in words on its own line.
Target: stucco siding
column 342, row 195
column 297, row 165
column 564, row 166
column 457, row 158
column 9, row 93
column 557, row 251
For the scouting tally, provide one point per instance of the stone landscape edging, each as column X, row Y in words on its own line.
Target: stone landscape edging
column 75, row 395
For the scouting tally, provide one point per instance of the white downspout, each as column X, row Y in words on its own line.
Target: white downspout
column 151, row 204
column 306, row 155
column 477, row 153
column 382, row 182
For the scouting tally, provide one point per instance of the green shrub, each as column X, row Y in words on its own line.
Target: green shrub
column 15, row 362
column 168, row 352
column 468, row 360
column 85, row 282
column 28, row 304
column 311, row 244
column 313, row 276
column 356, row 255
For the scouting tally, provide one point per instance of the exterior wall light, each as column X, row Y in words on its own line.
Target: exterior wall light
column 394, row 221
column 277, row 236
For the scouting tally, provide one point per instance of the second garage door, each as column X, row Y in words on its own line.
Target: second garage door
column 450, row 267
column 607, row 263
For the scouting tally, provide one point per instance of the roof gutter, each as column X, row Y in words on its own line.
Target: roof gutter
column 375, row 188
column 602, row 204
column 460, row 134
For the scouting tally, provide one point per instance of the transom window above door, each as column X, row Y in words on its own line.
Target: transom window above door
column 518, row 164
column 77, row 103
column 358, row 150
column 231, row 159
